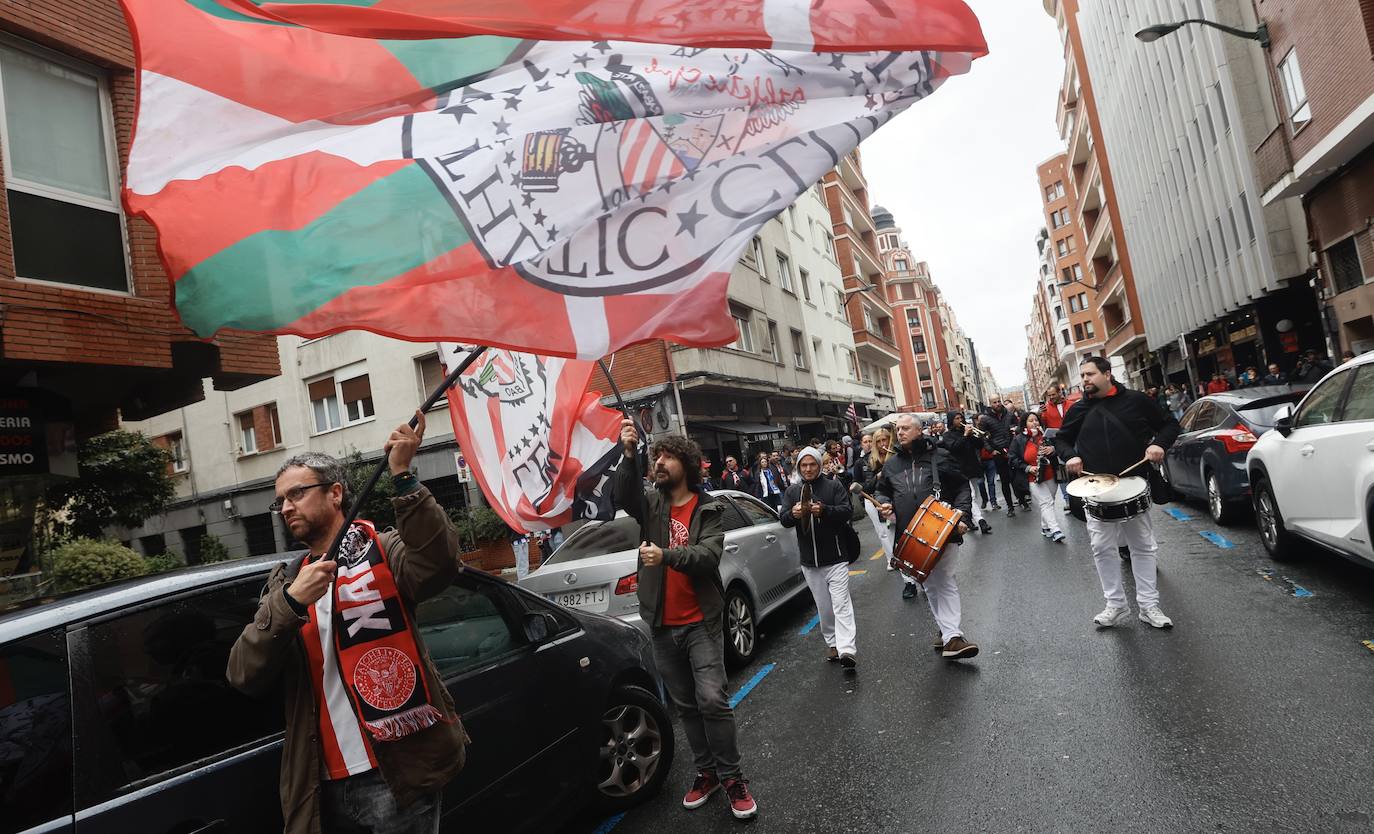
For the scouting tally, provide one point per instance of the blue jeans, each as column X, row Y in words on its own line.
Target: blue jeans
column 990, row 479
column 363, row 804
column 692, row 664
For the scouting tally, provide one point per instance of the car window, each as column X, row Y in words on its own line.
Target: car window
column 731, row 518
column 156, row 674
column 35, row 732
column 1320, row 405
column 1190, row 416
column 1206, row 416
column 756, row 512
column 1264, row 413
column 597, row 540
column 465, row 627
column 1360, row 404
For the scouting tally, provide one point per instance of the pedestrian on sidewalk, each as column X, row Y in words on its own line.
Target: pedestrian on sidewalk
column 1107, row 431
column 373, row 754
column 908, row 477
column 819, row 508
column 1032, row 455
column 682, row 600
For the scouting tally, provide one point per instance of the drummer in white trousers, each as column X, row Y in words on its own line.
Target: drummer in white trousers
column 1106, row 433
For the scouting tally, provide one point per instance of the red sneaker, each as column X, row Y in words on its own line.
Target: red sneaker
column 703, row 786
column 742, row 803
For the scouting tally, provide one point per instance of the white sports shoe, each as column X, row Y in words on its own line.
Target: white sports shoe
column 1155, row 617
column 1111, row 616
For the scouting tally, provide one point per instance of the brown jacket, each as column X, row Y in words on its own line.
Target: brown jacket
column 423, row 556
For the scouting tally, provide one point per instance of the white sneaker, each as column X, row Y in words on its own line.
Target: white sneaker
column 1155, row 617
column 890, row 565
column 1111, row 616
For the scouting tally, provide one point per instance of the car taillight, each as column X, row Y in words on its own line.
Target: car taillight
column 627, row 584
column 1237, row 439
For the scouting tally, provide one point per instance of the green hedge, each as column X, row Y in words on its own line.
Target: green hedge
column 477, row 525
column 83, row 562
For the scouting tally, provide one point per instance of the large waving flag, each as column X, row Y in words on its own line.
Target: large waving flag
column 558, row 197
column 542, row 447
column 798, row 25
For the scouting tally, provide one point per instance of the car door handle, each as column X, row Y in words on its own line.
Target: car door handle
column 770, row 538
column 732, row 548
column 1370, row 445
column 1307, row 450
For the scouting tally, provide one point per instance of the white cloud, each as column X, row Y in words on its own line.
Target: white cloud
column 958, row 173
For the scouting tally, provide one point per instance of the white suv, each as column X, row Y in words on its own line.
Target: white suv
column 1313, row 474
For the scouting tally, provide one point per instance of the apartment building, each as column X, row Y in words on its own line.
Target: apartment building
column 920, row 316
column 1077, row 319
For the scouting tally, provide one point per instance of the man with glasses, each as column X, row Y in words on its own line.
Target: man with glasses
column 371, row 733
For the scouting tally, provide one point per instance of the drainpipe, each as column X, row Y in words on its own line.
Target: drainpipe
column 677, row 394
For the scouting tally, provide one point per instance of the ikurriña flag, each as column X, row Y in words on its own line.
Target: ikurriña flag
column 541, row 446
column 563, row 198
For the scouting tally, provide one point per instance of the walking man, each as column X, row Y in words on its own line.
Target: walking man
column 963, row 445
column 369, row 745
column 736, row 478
column 681, row 598
column 907, row 478
column 819, row 508
column 1107, row 431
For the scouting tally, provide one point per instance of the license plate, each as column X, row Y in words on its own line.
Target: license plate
column 594, row 599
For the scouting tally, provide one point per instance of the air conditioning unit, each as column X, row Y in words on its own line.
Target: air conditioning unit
column 229, row 508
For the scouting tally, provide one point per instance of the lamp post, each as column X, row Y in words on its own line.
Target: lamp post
column 1150, row 34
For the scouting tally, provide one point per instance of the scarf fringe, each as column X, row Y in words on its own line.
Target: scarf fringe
column 403, row 724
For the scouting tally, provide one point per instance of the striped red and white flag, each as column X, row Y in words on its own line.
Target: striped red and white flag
column 852, row 414
column 541, row 446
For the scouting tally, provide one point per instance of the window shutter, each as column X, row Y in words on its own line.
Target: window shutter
column 357, row 388
column 321, row 389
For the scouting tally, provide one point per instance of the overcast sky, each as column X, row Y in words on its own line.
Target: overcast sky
column 958, row 173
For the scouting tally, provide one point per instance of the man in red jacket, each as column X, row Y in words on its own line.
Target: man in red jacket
column 1052, row 415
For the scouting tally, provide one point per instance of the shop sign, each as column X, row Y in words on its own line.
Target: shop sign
column 34, row 439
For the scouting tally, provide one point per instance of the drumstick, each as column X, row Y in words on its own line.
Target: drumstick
column 858, row 489
column 1133, row 466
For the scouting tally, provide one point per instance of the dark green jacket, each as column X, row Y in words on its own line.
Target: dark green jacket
column 700, row 559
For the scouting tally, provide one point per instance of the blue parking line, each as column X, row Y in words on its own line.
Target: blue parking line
column 749, row 687
column 1179, row 515
column 605, row 827
column 1217, row 539
column 1300, row 591
column 806, row 629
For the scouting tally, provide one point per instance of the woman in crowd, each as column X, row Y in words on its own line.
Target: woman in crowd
column 869, row 468
column 1033, row 456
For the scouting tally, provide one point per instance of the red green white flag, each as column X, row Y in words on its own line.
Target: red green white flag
column 564, row 198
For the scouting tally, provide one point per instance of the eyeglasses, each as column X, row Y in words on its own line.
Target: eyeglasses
column 295, row 494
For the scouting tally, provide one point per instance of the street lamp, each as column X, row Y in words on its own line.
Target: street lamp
column 1150, row 34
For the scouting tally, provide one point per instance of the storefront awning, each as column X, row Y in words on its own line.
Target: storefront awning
column 742, row 429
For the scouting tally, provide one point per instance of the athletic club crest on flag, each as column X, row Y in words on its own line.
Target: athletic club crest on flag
column 541, row 447
column 558, row 197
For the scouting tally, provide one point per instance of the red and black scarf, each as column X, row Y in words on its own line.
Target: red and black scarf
column 374, row 639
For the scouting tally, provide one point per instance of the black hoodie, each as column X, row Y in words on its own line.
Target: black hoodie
column 1111, row 433
column 963, row 449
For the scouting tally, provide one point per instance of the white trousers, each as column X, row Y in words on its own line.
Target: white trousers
column 881, row 528
column 830, row 589
column 943, row 595
column 1044, row 493
column 1137, row 533
column 977, row 504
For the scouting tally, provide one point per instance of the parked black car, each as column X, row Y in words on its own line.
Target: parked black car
column 115, row 711
column 1208, row 460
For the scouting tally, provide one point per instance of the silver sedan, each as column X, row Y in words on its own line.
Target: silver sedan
column 596, row 570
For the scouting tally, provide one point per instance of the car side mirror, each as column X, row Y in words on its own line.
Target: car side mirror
column 1283, row 420
column 539, row 625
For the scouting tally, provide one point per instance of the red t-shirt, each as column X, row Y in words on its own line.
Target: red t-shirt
column 680, row 605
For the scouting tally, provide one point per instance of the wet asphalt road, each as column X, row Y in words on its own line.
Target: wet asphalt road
column 1252, row 714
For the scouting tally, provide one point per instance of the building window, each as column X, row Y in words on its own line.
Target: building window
column 756, row 253
column 798, row 350
column 1294, row 94
column 853, row 363
column 60, row 173
column 259, row 534
column 175, row 445
column 901, row 265
column 918, row 344
column 248, row 434
column 350, row 387
column 816, row 352
column 839, row 303
column 1245, row 212
column 785, row 273
column 830, row 247
column 774, row 349
column 251, row 426
column 741, row 315
column 1064, row 337
column 792, row 218
column 805, row 282
column 1343, row 261
column 429, row 371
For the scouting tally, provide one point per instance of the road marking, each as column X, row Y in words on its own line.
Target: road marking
column 876, row 556
column 857, row 572
column 806, row 629
column 1217, row 539
column 1368, row 644
column 605, row 827
column 1179, row 515
column 749, row 687
column 1294, row 589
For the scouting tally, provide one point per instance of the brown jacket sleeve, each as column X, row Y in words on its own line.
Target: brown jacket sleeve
column 265, row 645
column 423, row 549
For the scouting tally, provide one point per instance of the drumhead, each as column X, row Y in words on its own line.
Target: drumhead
column 1125, row 489
column 1092, row 486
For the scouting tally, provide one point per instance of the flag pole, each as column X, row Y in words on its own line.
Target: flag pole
column 434, row 396
column 619, row 400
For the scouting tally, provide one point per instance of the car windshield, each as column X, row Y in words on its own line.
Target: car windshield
column 1262, row 413
column 596, row 539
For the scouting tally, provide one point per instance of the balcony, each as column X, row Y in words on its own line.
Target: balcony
column 851, row 174
column 1080, row 144
column 856, row 214
column 1100, row 237
column 1274, row 158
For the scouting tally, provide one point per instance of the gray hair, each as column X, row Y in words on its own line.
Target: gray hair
column 908, row 417
column 328, row 469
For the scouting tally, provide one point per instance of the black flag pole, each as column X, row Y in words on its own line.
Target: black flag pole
column 619, row 400
column 434, row 397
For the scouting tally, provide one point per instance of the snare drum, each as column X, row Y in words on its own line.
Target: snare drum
column 1129, row 498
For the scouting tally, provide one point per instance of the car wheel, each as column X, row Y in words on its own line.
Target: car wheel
column 1223, row 512
column 741, row 628
column 634, row 751
column 1277, row 541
